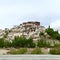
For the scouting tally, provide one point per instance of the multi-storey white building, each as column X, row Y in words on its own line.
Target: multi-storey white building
column 28, row 29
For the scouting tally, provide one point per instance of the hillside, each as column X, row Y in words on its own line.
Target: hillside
column 28, row 29
column 29, row 38
column 29, row 34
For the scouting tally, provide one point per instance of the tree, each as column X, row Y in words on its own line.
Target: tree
column 53, row 34
column 16, row 42
column 43, row 43
column 31, row 43
column 22, row 42
column 41, row 33
column 50, row 31
column 1, row 42
column 7, row 44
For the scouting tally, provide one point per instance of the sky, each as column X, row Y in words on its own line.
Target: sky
column 15, row 12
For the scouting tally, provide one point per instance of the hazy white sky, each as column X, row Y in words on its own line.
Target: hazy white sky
column 14, row 12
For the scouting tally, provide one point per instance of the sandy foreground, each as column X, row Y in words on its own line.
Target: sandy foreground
column 3, row 51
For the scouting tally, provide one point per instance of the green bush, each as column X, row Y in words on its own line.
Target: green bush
column 56, row 45
column 43, row 43
column 7, row 44
column 1, row 42
column 33, row 45
column 18, row 51
column 53, row 34
column 37, row 51
column 41, row 33
column 23, row 42
column 55, row 51
column 52, row 51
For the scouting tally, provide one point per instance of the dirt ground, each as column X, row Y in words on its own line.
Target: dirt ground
column 5, row 51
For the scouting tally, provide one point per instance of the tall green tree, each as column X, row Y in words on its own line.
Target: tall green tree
column 1, row 42
column 7, row 44
column 52, row 33
column 22, row 42
column 43, row 43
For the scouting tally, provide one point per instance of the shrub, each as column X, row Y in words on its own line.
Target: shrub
column 53, row 34
column 52, row 51
column 56, row 45
column 1, row 42
column 18, row 51
column 7, row 44
column 43, row 43
column 23, row 42
column 41, row 33
column 33, row 45
column 55, row 51
column 37, row 51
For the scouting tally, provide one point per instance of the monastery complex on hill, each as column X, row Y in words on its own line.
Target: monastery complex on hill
column 28, row 29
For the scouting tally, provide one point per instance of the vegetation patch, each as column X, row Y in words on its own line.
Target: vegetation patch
column 55, row 51
column 18, row 51
column 37, row 51
column 53, row 34
column 43, row 43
